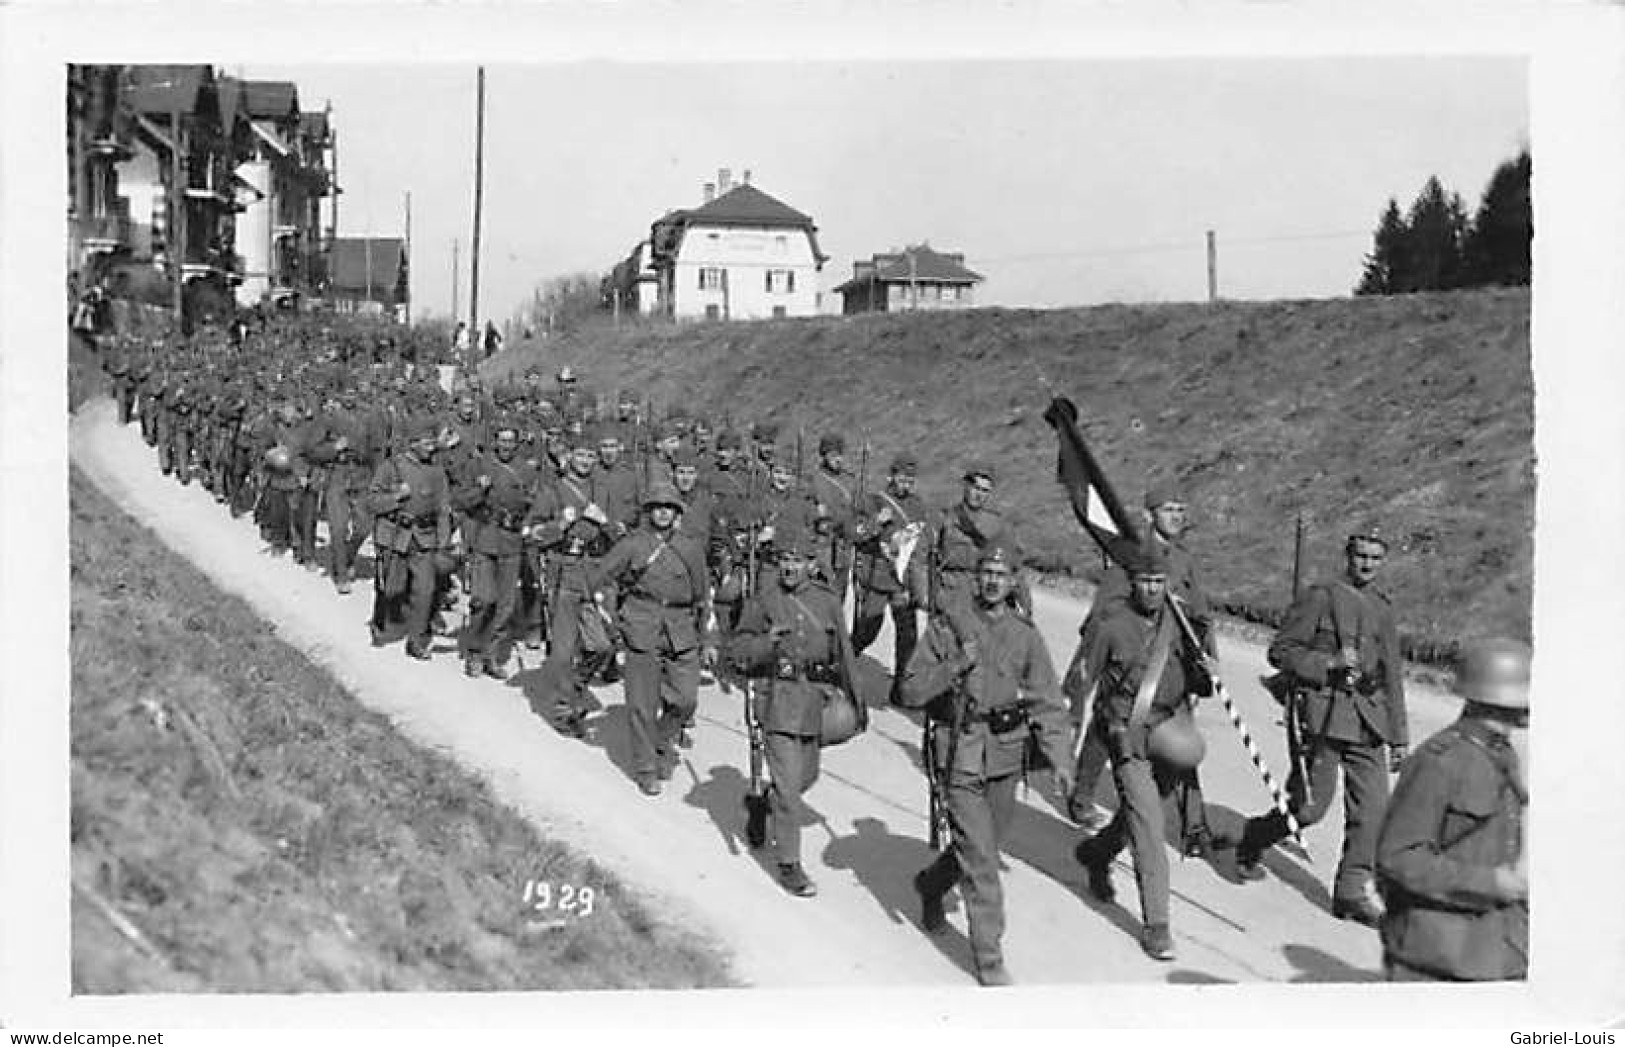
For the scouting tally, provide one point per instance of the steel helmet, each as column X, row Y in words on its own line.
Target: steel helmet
column 279, row 459
column 662, row 492
column 1177, row 743
column 1495, row 673
column 841, row 720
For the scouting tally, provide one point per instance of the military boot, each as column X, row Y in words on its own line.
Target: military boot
column 932, row 917
column 793, row 878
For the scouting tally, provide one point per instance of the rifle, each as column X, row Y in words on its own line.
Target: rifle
column 1281, row 686
column 857, row 507
column 756, row 796
column 937, row 781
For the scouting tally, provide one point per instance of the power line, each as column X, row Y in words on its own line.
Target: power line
column 1169, row 248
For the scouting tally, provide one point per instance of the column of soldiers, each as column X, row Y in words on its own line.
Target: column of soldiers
column 655, row 552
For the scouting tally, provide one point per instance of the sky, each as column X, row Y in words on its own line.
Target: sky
column 1063, row 181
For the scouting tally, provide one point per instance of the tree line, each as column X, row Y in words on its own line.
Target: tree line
column 1436, row 246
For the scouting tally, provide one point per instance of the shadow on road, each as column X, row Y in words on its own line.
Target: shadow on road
column 1187, row 977
column 1316, row 965
column 884, row 863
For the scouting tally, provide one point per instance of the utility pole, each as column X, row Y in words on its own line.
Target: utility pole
column 454, row 271
column 407, row 304
column 177, row 217
column 479, row 197
column 1212, row 268
column 913, row 280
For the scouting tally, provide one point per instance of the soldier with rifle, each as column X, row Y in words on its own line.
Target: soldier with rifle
column 660, row 574
column 1340, row 649
column 984, row 676
column 501, row 499
column 793, row 638
column 889, row 530
column 411, row 506
column 836, row 493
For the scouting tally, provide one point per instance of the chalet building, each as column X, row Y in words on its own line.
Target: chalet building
column 741, row 255
column 914, row 278
column 174, row 169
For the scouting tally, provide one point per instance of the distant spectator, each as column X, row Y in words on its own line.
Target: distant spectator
column 492, row 339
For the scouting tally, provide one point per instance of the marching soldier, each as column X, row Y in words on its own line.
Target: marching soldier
column 959, row 537
column 779, row 508
column 660, row 573
column 410, row 498
column 501, row 500
column 342, row 453
column 575, row 531
column 1143, row 669
column 1165, row 508
column 889, row 531
column 987, row 681
column 1450, row 855
column 793, row 636
column 1340, row 648
column 834, row 491
column 621, row 483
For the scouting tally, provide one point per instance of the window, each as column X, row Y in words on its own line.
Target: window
column 711, row 279
column 778, row 312
column 713, row 312
column 781, row 281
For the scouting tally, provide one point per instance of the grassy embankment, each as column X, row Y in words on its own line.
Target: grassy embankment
column 239, row 823
column 1416, row 411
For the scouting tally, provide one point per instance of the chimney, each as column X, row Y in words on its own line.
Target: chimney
column 725, row 179
column 710, row 191
column 745, row 178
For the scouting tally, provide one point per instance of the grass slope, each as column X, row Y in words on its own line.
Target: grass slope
column 1416, row 411
column 261, row 832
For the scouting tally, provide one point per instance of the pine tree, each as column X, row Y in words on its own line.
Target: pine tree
column 1497, row 247
column 1436, row 225
column 1388, row 264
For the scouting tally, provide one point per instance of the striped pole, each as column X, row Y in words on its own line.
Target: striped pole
column 1240, row 725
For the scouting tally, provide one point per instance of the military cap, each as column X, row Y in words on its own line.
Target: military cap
column 832, row 442
column 997, row 555
column 686, row 456
column 794, row 542
column 661, row 492
column 676, row 412
column 765, row 431
column 580, row 436
column 669, row 428
column 1146, row 558
column 1163, row 492
column 1369, row 531
column 1494, row 673
column 566, row 375
column 425, row 427
column 976, row 469
column 728, row 439
column 905, row 463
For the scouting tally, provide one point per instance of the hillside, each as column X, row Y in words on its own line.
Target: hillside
column 1416, row 411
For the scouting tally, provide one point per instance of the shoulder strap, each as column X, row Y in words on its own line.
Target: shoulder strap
column 1156, row 655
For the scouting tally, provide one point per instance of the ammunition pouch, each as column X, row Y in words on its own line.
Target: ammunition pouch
column 1005, row 718
column 791, row 671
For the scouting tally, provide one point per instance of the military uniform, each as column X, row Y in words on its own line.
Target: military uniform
column 411, row 525
column 1113, row 593
column 959, row 535
column 501, row 509
column 1007, row 692
column 1456, row 814
column 796, row 640
column 661, row 578
column 1132, row 643
column 882, row 574
column 1343, row 727
column 573, row 545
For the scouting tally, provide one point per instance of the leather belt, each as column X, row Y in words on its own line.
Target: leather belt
column 669, row 605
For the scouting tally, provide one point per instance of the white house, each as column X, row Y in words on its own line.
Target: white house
column 742, row 255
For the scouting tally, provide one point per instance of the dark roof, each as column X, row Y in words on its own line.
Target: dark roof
column 748, row 205
column 270, row 99
column 313, row 124
column 161, row 89
column 347, row 265
column 231, row 92
column 743, row 205
column 927, row 266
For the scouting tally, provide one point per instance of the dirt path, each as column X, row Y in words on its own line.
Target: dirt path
column 684, row 849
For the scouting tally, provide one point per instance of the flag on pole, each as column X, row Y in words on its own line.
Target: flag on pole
column 1094, row 503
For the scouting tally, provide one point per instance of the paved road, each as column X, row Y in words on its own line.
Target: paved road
column 684, row 847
